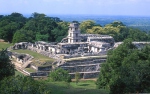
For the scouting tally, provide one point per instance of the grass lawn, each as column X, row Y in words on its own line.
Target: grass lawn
column 4, row 45
column 30, row 70
column 88, row 84
column 37, row 56
column 18, row 73
column 83, row 87
column 34, row 54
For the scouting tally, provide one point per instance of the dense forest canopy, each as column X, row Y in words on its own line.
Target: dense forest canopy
column 39, row 27
column 116, row 29
column 126, row 70
column 11, row 84
column 17, row 28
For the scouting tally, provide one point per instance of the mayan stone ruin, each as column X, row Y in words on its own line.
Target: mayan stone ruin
column 83, row 53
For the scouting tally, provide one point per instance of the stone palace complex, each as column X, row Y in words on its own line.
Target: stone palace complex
column 75, row 43
column 78, row 52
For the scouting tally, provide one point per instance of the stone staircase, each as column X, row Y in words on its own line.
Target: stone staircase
column 26, row 64
column 87, row 67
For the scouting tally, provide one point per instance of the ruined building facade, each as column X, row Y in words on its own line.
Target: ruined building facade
column 78, row 52
column 83, row 53
column 74, row 43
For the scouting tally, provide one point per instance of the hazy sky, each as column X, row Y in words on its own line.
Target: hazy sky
column 93, row 7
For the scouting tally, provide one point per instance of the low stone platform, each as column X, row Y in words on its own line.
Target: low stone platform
column 87, row 67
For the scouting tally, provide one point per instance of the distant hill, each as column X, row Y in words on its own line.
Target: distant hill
column 143, row 23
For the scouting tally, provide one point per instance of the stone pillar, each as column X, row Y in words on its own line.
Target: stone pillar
column 95, row 49
column 40, row 47
column 49, row 49
column 32, row 45
column 44, row 48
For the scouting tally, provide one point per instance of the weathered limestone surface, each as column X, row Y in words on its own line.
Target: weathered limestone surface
column 41, row 68
column 21, row 58
column 86, row 75
column 36, row 74
column 25, row 61
column 88, row 67
column 139, row 45
column 21, row 45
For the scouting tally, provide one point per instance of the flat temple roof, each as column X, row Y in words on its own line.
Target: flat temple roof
column 73, row 43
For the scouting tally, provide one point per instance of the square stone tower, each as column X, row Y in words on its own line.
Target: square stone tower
column 74, row 33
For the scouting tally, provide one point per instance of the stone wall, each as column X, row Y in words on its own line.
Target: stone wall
column 44, row 68
column 86, row 75
column 88, row 67
column 84, row 54
column 39, row 74
column 41, row 68
column 21, row 58
column 45, row 53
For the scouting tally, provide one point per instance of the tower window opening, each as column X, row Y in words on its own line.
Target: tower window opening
column 76, row 34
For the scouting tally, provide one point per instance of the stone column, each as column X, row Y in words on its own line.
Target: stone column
column 40, row 47
column 44, row 48
column 49, row 49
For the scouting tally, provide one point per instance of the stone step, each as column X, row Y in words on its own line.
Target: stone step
column 79, row 63
column 21, row 70
column 84, row 65
column 83, row 68
column 86, row 72
column 26, row 64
